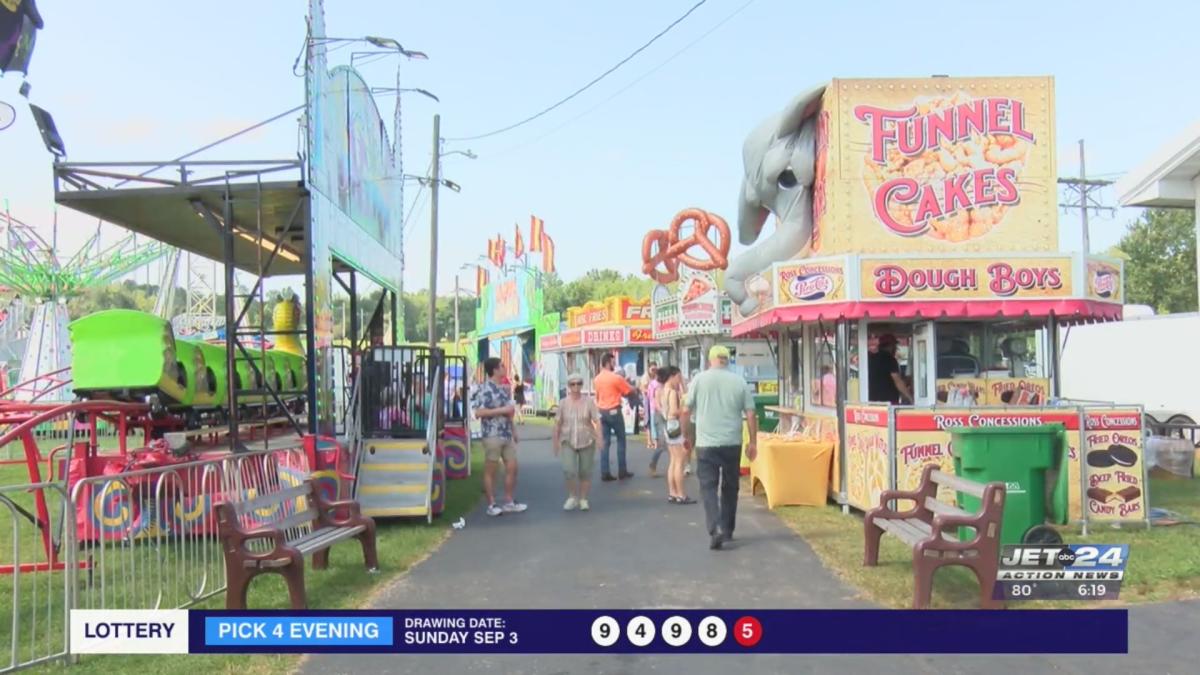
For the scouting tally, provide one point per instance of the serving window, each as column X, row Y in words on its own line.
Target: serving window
column 993, row 363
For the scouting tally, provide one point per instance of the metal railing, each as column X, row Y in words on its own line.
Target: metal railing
column 144, row 539
column 83, row 176
column 35, row 588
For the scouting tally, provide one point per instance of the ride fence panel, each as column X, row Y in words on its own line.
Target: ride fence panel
column 396, row 391
column 147, row 539
column 36, row 582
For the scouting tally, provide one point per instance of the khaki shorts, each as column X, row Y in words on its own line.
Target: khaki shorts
column 578, row 462
column 496, row 449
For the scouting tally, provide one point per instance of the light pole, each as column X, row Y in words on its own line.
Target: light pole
column 434, row 181
column 433, row 229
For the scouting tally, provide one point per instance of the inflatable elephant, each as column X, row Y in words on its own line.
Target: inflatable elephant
column 780, row 161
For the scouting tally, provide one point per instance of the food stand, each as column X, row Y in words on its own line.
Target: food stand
column 509, row 311
column 617, row 325
column 688, row 308
column 933, row 220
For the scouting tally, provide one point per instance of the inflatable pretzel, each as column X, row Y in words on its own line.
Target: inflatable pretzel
column 665, row 248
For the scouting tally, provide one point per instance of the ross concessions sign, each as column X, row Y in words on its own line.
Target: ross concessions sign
column 1115, row 470
column 923, row 437
column 936, row 165
column 810, row 281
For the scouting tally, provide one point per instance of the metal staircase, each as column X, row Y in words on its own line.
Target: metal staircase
column 400, row 469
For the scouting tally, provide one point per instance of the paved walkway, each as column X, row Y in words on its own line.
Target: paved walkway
column 634, row 551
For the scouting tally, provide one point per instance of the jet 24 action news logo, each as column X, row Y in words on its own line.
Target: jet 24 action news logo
column 8, row 115
column 1082, row 562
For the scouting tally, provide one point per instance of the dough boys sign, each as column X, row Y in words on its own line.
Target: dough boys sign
column 967, row 278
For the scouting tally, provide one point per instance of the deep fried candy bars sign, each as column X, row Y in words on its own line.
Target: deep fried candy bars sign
column 947, row 165
column 967, row 278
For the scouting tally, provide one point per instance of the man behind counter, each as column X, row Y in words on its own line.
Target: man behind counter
column 884, row 380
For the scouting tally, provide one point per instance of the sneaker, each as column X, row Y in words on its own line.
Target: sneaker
column 625, row 474
column 493, row 510
column 514, row 507
column 583, row 505
column 715, row 542
column 571, row 504
column 608, row 478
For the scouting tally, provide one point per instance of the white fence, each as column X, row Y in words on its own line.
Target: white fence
column 142, row 539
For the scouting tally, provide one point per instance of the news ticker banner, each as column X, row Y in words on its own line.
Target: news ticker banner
column 571, row 631
column 1061, row 572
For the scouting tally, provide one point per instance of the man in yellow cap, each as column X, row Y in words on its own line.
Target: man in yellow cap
column 719, row 399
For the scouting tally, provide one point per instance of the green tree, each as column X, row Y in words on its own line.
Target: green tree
column 596, row 284
column 1159, row 249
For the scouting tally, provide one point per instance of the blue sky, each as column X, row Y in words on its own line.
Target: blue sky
column 143, row 79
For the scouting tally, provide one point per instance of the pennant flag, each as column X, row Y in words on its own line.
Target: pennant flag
column 518, row 243
column 481, row 279
column 537, row 230
column 500, row 250
column 491, row 251
column 547, row 254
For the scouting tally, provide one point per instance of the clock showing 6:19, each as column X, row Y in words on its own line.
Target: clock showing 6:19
column 1091, row 590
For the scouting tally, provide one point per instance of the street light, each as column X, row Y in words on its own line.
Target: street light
column 385, row 44
column 395, row 90
column 434, row 181
column 458, row 291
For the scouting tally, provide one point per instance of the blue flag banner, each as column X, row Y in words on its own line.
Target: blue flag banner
column 570, row 631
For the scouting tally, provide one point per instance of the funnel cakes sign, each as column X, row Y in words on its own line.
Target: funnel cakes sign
column 936, row 165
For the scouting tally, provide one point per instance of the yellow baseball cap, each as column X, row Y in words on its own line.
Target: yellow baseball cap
column 718, row 352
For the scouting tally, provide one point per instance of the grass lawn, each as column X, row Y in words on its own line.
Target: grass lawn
column 345, row 585
column 1163, row 564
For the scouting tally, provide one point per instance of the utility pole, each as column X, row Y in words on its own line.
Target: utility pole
column 1081, row 193
column 436, row 179
column 456, row 311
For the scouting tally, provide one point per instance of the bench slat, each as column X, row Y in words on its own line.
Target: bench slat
column 927, row 529
column 325, row 538
column 944, row 509
column 291, row 522
column 957, row 483
column 904, row 531
column 269, row 499
column 309, row 544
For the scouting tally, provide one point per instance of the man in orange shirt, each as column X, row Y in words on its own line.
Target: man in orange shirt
column 610, row 388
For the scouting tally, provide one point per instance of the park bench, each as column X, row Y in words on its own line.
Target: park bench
column 301, row 523
column 930, row 528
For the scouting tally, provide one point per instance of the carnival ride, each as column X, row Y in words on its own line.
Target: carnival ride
column 32, row 270
column 192, row 423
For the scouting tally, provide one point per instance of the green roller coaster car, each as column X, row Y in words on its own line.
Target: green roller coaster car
column 126, row 355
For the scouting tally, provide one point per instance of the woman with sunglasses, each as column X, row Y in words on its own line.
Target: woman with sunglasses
column 577, row 422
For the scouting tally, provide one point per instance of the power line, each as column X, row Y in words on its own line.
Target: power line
column 632, row 84
column 589, row 84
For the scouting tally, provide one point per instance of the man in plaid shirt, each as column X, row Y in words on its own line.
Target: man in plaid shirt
column 493, row 405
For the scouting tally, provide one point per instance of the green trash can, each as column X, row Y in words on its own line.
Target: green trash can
column 767, row 419
column 1019, row 458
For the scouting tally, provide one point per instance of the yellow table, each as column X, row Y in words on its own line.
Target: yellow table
column 793, row 472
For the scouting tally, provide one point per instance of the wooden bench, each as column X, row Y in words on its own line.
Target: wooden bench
column 930, row 528
column 302, row 523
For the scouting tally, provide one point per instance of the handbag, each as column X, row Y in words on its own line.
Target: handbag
column 674, row 429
